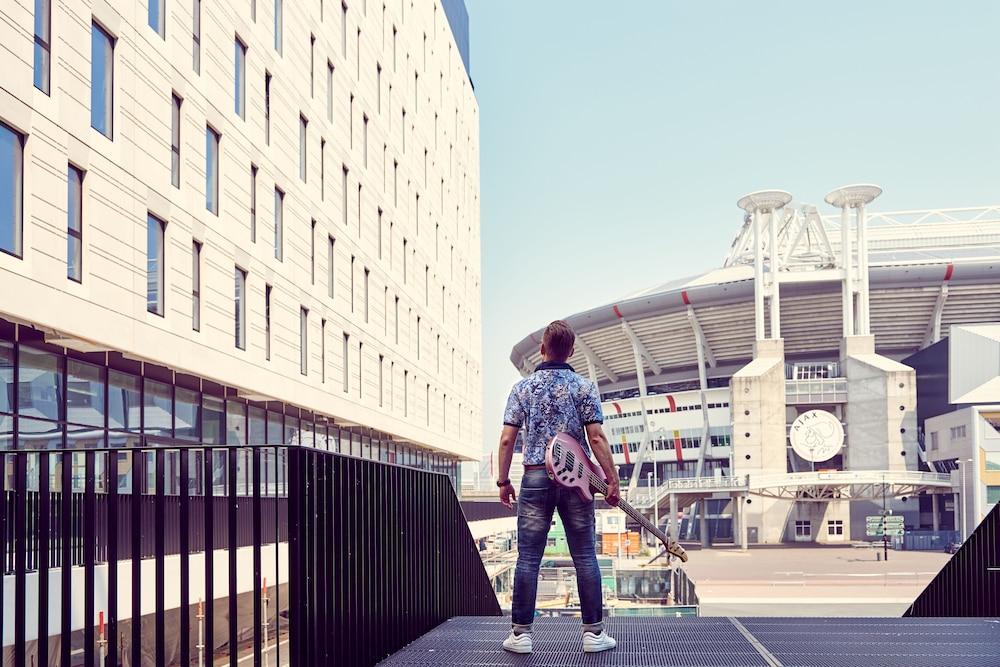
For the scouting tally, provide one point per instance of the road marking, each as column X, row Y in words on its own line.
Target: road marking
column 760, row 648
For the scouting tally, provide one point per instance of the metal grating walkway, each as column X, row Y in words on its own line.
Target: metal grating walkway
column 719, row 642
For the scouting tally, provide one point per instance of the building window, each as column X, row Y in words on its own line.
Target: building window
column 240, row 306
column 253, row 10
column 381, row 364
column 934, row 441
column 279, row 203
column 427, row 402
column 345, row 356
column 239, row 79
column 379, row 210
column 312, row 253
column 304, row 340
column 395, row 319
column 196, row 36
column 406, row 393
column 352, row 283
column 343, row 30
column 267, row 108
column 957, row 432
column 154, row 264
column 365, row 139
column 312, row 60
column 378, row 87
column 331, row 276
column 43, row 44
column 343, row 189
column 102, row 64
column 74, row 224
column 803, row 529
column 253, row 203
column 267, row 322
column 303, row 144
column 361, row 377
column 277, row 26
column 367, row 272
column 835, row 527
column 175, row 141
column 11, row 190
column 211, row 170
column 196, row 286
column 329, row 91
column 157, row 16
column 322, row 169
column 322, row 350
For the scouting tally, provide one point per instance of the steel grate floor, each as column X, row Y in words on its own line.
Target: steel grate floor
column 718, row 642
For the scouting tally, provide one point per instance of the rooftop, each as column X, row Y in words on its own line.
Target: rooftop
column 723, row 641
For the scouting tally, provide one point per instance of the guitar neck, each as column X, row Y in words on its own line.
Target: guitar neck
column 643, row 521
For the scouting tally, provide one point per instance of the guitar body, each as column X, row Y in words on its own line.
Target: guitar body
column 568, row 465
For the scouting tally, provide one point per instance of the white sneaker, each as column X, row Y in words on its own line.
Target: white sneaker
column 595, row 643
column 518, row 643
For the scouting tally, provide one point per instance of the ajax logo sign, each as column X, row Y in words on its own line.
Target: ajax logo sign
column 816, row 435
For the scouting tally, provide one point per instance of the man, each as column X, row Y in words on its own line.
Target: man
column 554, row 399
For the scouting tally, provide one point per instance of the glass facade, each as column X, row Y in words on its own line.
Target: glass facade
column 11, row 189
column 53, row 399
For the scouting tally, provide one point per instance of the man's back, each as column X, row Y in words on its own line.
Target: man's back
column 554, row 399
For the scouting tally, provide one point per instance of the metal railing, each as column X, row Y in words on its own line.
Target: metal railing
column 237, row 555
column 968, row 584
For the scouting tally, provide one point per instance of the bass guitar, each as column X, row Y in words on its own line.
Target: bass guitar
column 568, row 465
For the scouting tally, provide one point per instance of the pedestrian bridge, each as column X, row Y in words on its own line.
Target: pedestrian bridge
column 818, row 486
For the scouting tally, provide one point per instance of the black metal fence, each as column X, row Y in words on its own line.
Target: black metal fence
column 173, row 553
column 969, row 583
column 683, row 588
column 387, row 556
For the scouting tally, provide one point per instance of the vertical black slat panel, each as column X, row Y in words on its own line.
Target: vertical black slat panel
column 184, row 548
column 319, row 462
column 337, row 556
column 294, row 540
column 89, row 539
column 159, row 512
column 113, row 513
column 20, row 554
column 66, row 555
column 309, row 555
column 135, row 515
column 44, row 555
column 257, row 455
column 209, row 507
column 356, row 500
column 5, row 460
column 233, row 542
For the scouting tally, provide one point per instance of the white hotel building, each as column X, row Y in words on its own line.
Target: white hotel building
column 227, row 229
column 272, row 205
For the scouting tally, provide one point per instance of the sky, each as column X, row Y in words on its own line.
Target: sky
column 615, row 138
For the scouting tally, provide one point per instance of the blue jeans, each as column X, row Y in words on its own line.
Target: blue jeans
column 538, row 498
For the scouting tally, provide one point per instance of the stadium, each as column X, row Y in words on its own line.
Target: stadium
column 773, row 392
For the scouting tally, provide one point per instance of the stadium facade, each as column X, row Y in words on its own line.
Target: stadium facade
column 226, row 229
column 771, row 391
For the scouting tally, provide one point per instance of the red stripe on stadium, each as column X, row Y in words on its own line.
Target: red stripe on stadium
column 618, row 312
column 618, row 408
column 948, row 272
column 628, row 459
column 673, row 404
column 677, row 448
column 684, row 297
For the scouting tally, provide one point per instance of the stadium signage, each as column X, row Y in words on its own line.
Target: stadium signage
column 816, row 435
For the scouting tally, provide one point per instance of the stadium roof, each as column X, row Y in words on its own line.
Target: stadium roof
column 928, row 270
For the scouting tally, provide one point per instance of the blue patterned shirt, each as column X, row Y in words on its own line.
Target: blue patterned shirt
column 554, row 399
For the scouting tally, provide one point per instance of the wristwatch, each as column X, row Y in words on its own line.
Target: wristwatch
column 503, row 483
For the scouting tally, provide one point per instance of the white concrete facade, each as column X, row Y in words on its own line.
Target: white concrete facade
column 399, row 126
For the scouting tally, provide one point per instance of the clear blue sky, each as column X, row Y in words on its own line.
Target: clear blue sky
column 616, row 137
